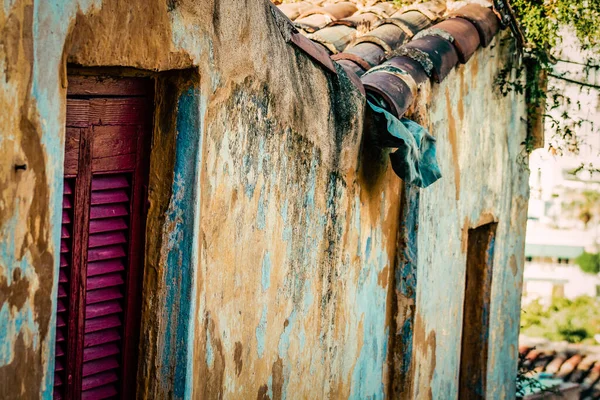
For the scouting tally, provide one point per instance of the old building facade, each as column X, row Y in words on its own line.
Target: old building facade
column 194, row 202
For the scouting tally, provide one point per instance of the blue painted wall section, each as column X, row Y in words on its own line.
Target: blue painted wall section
column 371, row 299
column 405, row 291
column 181, row 256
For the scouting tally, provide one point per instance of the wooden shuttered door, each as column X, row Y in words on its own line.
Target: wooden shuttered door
column 106, row 148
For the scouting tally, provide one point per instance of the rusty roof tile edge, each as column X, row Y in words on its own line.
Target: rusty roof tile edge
column 426, row 11
column 433, row 31
column 397, row 72
column 397, row 22
column 371, row 39
column 291, row 35
column 361, row 62
column 316, row 38
column 418, row 55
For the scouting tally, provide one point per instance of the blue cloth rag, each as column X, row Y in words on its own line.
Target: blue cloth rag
column 415, row 160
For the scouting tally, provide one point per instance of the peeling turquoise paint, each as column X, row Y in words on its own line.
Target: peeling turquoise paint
column 12, row 325
column 367, row 377
column 181, row 255
column 302, row 339
column 261, row 332
column 309, row 298
column 266, row 271
column 284, row 339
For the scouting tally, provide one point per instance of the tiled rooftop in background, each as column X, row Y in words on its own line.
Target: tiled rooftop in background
column 393, row 49
column 571, row 363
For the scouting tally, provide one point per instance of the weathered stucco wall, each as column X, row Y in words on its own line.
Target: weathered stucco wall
column 479, row 135
column 279, row 144
column 272, row 233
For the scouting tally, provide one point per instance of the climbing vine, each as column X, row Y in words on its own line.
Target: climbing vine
column 542, row 22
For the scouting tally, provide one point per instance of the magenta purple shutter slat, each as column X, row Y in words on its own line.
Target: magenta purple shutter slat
column 104, row 281
column 109, row 182
column 101, row 365
column 67, row 188
column 105, row 267
column 106, row 253
column 59, row 350
column 108, row 211
column 106, row 239
column 103, row 392
column 106, row 336
column 101, row 379
column 96, row 352
column 110, row 196
column 101, row 323
column 97, row 296
column 106, row 225
column 101, row 309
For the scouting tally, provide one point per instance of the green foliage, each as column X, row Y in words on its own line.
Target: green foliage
column 525, row 378
column 541, row 22
column 527, row 381
column 589, row 262
column 574, row 321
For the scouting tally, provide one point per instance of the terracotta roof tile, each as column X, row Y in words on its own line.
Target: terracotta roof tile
column 334, row 38
column 393, row 85
column 483, row 18
column 293, row 10
column 408, row 45
column 464, row 36
column 437, row 55
column 371, row 53
column 571, row 363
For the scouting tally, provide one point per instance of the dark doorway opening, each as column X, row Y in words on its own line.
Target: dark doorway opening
column 476, row 313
